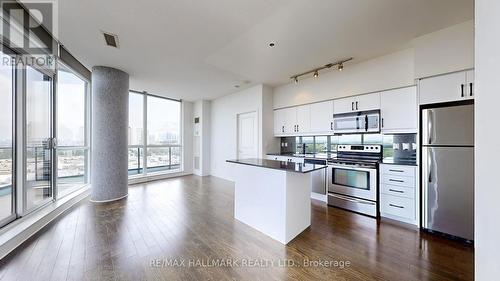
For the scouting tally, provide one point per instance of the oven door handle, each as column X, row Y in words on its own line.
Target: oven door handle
column 354, row 168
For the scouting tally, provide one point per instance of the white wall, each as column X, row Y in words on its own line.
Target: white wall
column 445, row 50
column 187, row 136
column 386, row 72
column 270, row 144
column 487, row 187
column 224, row 126
column 201, row 138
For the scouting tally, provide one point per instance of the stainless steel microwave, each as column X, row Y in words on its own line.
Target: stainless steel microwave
column 358, row 122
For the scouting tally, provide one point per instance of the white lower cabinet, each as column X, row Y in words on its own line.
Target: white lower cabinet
column 398, row 193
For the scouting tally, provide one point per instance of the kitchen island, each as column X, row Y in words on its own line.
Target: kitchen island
column 273, row 196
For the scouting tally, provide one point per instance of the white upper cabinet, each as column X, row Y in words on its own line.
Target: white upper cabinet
column 470, row 84
column 303, row 116
column 322, row 117
column 357, row 103
column 368, row 102
column 399, row 110
column 279, row 122
column 446, row 88
column 292, row 120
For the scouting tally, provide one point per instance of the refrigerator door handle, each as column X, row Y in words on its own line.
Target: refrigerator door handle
column 429, row 166
column 430, row 128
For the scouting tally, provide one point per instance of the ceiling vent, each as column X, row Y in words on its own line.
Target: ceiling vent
column 110, row 39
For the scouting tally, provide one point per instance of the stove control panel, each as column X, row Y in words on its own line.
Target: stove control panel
column 360, row 148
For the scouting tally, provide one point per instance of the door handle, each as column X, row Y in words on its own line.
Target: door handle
column 396, row 180
column 357, row 106
column 396, row 206
column 462, row 89
column 471, row 91
column 352, row 106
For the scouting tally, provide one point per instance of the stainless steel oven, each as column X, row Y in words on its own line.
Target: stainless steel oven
column 353, row 178
column 359, row 122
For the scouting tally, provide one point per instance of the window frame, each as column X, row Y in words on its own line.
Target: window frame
column 145, row 145
column 87, row 146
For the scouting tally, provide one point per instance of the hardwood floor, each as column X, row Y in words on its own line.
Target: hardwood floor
column 191, row 219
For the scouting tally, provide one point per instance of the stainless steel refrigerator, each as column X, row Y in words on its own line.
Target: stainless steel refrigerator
column 448, row 170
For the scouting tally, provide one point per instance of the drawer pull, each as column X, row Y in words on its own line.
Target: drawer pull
column 398, row 191
column 396, row 180
column 397, row 171
column 396, row 206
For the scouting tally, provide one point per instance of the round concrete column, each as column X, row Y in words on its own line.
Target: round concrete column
column 109, row 172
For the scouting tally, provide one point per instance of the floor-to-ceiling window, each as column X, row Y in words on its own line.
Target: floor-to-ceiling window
column 6, row 141
column 72, row 131
column 154, row 134
column 136, row 133
column 38, row 187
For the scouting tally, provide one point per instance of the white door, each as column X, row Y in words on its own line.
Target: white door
column 248, row 132
column 322, row 117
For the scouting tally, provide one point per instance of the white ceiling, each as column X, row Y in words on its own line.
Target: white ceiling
column 194, row 49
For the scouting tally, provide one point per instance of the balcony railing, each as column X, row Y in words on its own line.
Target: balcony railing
column 158, row 159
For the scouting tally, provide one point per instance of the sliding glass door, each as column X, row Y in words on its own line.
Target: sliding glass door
column 39, row 141
column 7, row 198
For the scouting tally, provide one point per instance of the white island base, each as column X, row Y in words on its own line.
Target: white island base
column 275, row 202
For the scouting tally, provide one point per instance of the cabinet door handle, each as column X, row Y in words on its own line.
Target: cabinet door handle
column 357, row 106
column 398, row 171
column 462, row 89
column 398, row 191
column 282, row 129
column 471, row 91
column 396, row 180
column 382, row 122
column 352, row 106
column 297, row 128
column 396, row 206
column 331, row 126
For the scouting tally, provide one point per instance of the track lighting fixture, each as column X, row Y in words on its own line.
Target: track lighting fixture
column 339, row 64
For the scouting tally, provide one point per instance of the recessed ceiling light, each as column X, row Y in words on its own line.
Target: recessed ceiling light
column 236, row 86
column 272, row 44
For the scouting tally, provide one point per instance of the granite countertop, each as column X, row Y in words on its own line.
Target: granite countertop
column 403, row 162
column 279, row 165
column 308, row 155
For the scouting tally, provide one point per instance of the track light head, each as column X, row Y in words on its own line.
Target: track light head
column 341, row 67
column 316, row 74
column 296, row 80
